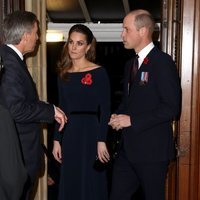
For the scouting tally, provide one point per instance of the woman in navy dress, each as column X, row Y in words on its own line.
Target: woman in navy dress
column 84, row 95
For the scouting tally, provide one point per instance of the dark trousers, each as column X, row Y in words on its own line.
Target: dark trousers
column 29, row 188
column 127, row 177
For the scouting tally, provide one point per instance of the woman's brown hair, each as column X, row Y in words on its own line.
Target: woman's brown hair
column 65, row 62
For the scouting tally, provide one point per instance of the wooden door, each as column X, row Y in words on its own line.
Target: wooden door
column 188, row 166
column 180, row 38
column 170, row 34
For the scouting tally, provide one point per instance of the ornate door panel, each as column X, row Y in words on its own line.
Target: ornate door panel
column 188, row 166
column 170, row 34
column 180, row 38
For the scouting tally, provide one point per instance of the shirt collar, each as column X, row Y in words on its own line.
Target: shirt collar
column 16, row 50
column 144, row 52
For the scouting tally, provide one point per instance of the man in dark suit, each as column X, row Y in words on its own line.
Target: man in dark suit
column 12, row 169
column 18, row 92
column 150, row 103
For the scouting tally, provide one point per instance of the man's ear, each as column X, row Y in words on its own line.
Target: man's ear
column 24, row 37
column 143, row 31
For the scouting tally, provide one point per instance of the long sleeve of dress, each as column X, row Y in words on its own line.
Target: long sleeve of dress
column 104, row 104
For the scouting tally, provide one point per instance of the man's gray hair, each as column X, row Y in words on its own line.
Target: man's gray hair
column 16, row 24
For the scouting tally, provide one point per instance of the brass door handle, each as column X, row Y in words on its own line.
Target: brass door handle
column 181, row 152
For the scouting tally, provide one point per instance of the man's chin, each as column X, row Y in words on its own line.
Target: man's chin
column 126, row 46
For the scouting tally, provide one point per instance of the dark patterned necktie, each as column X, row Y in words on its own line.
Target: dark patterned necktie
column 134, row 69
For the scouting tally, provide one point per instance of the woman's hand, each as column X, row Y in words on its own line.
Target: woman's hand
column 57, row 151
column 119, row 121
column 102, row 152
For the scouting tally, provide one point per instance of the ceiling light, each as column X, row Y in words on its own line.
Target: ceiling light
column 54, row 37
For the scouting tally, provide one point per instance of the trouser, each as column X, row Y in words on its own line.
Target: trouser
column 127, row 177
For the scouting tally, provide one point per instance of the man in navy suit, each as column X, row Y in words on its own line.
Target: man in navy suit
column 18, row 92
column 12, row 170
column 150, row 103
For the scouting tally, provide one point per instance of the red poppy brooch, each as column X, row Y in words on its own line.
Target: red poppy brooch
column 87, row 79
column 146, row 60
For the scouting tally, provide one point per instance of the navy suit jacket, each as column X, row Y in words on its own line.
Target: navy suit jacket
column 152, row 104
column 18, row 94
column 12, row 170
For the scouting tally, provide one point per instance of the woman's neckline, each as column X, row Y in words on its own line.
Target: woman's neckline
column 93, row 69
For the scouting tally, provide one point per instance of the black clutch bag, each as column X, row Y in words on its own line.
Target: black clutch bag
column 99, row 166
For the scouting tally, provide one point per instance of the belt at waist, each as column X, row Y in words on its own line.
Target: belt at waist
column 83, row 113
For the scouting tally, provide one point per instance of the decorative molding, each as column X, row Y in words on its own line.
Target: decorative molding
column 102, row 32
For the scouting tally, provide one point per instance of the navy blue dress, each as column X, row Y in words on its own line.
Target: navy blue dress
column 85, row 98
